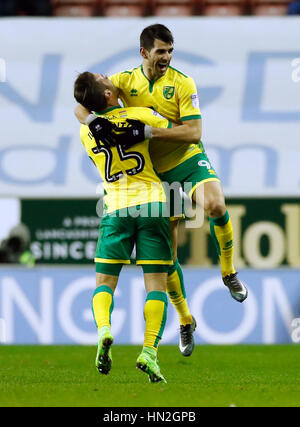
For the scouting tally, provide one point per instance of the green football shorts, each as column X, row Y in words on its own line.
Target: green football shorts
column 145, row 225
column 188, row 176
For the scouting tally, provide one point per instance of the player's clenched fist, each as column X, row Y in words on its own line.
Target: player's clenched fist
column 128, row 134
column 102, row 129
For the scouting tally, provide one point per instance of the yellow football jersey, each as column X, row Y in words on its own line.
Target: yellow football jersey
column 128, row 175
column 174, row 96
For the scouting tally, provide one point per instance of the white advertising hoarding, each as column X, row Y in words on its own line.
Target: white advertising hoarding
column 247, row 71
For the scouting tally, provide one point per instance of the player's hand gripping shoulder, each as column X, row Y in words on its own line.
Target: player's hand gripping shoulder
column 132, row 133
column 102, row 129
column 112, row 134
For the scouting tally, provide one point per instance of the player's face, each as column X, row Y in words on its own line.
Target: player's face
column 159, row 58
column 105, row 80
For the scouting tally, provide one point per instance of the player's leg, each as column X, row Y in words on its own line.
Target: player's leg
column 155, row 314
column 175, row 283
column 103, row 297
column 103, row 303
column 114, row 247
column 220, row 223
column 210, row 194
column 177, row 295
column 154, row 253
column 203, row 186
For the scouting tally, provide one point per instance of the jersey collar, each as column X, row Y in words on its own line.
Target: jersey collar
column 109, row 109
column 151, row 82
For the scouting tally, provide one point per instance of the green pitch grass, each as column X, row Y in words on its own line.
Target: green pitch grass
column 212, row 376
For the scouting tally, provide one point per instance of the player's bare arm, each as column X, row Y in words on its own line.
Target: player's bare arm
column 81, row 113
column 137, row 131
column 188, row 133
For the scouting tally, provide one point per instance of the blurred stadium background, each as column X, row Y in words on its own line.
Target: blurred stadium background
column 244, row 56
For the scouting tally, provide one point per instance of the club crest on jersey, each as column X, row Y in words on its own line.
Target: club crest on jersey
column 168, row 91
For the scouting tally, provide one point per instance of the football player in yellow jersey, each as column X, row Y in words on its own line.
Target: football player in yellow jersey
column 134, row 214
column 178, row 156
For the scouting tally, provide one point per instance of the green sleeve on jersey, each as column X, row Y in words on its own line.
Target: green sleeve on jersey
column 192, row 117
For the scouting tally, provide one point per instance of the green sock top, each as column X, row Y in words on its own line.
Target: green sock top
column 222, row 220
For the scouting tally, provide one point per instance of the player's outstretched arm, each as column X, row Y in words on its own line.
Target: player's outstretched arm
column 81, row 113
column 189, row 132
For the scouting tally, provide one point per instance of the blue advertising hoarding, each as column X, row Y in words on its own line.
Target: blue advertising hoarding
column 53, row 306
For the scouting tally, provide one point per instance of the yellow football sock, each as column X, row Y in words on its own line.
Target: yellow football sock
column 177, row 295
column 155, row 313
column 103, row 304
column 222, row 233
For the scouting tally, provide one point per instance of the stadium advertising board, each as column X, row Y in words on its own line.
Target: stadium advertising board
column 62, row 231
column 266, row 233
column 250, row 122
column 53, row 306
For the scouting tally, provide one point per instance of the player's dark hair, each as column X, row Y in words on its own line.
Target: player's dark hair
column 156, row 31
column 89, row 92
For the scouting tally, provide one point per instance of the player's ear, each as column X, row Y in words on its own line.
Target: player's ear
column 144, row 52
column 107, row 94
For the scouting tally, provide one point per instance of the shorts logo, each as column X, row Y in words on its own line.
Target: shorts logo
column 168, row 91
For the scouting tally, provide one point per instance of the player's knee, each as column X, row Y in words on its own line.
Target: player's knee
column 216, row 208
column 107, row 280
